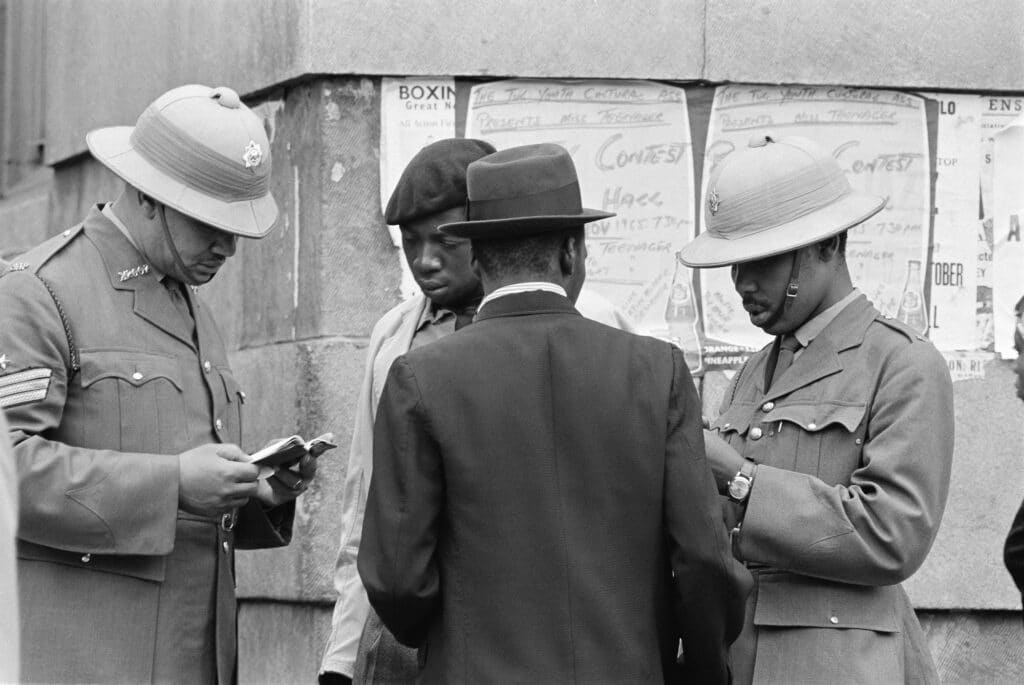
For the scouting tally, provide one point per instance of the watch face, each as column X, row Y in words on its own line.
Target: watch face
column 739, row 488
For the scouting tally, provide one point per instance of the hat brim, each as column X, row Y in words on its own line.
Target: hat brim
column 518, row 227
column 709, row 250
column 249, row 218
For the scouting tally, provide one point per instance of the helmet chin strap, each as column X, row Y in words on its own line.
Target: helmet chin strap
column 792, row 289
column 170, row 242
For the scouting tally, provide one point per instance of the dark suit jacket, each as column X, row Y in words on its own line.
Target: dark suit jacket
column 541, row 509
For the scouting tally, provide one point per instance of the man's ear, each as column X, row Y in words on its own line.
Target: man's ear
column 474, row 264
column 827, row 249
column 149, row 205
column 567, row 254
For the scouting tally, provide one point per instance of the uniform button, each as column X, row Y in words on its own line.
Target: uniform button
column 726, row 425
column 137, row 376
column 768, row 406
column 755, row 433
column 858, row 441
column 812, row 426
column 227, row 547
column 86, row 558
column 218, row 424
column 831, row 619
column 66, row 233
column 207, row 366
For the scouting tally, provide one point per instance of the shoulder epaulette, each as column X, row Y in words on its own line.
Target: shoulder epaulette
column 44, row 251
column 897, row 325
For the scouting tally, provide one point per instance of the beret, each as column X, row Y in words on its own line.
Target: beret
column 434, row 180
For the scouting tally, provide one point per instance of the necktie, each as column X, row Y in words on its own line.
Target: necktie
column 788, row 345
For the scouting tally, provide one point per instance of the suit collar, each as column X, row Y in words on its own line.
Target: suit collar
column 522, row 304
column 821, row 357
column 127, row 269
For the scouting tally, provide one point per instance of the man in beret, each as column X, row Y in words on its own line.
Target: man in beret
column 834, row 443
column 540, row 508
column 430, row 192
column 124, row 415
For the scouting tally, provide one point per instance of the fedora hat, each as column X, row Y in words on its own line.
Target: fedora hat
column 522, row 191
column 773, row 197
column 200, row 151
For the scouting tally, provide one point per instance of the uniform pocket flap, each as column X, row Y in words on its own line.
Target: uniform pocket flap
column 231, row 387
column 136, row 368
column 816, row 417
column 143, row 567
column 787, row 600
column 735, row 420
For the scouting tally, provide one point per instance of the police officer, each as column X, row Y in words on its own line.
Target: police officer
column 834, row 443
column 124, row 415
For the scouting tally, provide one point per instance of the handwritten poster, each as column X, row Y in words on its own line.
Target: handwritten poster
column 1008, row 250
column 880, row 139
column 630, row 142
column 954, row 267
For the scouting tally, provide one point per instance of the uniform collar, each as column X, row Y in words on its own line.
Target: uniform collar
column 815, row 325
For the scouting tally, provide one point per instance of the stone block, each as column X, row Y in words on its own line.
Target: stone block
column 281, row 643
column 350, row 270
column 871, row 43
column 25, row 214
column 965, row 567
column 319, row 383
column 975, row 646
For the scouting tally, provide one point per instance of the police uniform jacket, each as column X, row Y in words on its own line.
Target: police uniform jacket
column 537, row 480
column 854, row 444
column 108, row 565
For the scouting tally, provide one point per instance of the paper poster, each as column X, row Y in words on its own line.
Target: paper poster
column 414, row 112
column 954, row 261
column 880, row 139
column 997, row 112
column 630, row 141
column 1008, row 250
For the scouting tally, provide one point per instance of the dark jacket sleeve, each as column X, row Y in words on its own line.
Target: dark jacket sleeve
column 1013, row 552
column 397, row 554
column 711, row 585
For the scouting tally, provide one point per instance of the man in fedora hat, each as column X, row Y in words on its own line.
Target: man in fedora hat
column 430, row 192
column 834, row 443
column 125, row 416
column 540, row 508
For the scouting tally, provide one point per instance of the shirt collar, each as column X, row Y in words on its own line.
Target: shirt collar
column 433, row 315
column 525, row 287
column 813, row 327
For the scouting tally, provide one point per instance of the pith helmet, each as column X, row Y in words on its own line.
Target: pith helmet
column 773, row 197
column 198, row 150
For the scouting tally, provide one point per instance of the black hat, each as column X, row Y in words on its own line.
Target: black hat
column 434, row 180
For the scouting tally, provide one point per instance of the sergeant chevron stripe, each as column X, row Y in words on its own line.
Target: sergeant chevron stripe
column 24, row 387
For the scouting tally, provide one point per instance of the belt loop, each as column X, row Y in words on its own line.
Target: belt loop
column 227, row 522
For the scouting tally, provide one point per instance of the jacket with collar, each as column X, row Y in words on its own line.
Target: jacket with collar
column 541, row 509
column 98, row 410
column 854, row 444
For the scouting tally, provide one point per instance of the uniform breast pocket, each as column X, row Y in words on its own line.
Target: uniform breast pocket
column 133, row 401
column 230, row 414
column 824, row 439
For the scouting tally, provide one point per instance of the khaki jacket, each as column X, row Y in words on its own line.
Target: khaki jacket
column 854, row 445
column 109, row 567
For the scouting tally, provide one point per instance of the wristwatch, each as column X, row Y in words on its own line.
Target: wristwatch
column 739, row 487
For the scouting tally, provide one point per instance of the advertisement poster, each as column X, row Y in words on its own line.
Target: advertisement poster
column 630, row 142
column 880, row 139
column 954, row 267
column 1008, row 250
